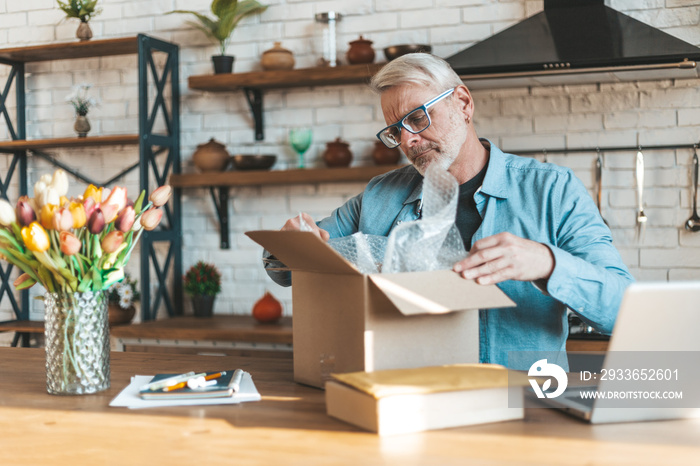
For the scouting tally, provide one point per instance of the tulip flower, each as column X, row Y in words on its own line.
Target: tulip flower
column 89, row 205
column 125, row 219
column 94, row 192
column 62, row 219
column 96, row 222
column 7, row 213
column 59, row 182
column 78, row 212
column 35, row 237
column 112, row 241
column 70, row 244
column 46, row 215
column 48, row 196
column 117, row 197
column 25, row 212
column 109, row 211
column 24, row 282
column 160, row 196
column 151, row 218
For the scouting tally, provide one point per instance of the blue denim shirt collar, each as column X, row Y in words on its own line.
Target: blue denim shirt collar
column 493, row 184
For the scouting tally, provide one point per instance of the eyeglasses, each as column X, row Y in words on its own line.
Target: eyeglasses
column 415, row 121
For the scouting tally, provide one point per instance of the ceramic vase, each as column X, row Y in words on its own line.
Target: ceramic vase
column 211, row 156
column 81, row 126
column 337, row 154
column 77, row 343
column 120, row 316
column 84, row 32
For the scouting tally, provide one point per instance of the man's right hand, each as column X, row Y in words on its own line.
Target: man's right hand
column 293, row 225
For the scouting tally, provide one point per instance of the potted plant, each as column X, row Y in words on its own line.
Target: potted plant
column 81, row 103
column 122, row 296
column 202, row 283
column 84, row 10
column 228, row 14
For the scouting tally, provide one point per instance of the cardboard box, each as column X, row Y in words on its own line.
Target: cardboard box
column 346, row 321
column 414, row 400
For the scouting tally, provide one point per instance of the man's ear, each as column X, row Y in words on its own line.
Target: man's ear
column 464, row 101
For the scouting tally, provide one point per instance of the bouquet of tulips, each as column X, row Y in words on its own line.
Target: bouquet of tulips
column 75, row 245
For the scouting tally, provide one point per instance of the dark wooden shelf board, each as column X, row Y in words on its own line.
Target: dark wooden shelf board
column 25, row 144
column 69, row 50
column 304, row 77
column 278, row 177
column 23, row 326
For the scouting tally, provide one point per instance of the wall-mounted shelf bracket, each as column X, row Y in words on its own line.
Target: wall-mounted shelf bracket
column 255, row 101
column 221, row 205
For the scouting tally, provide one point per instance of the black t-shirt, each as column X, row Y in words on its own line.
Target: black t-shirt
column 468, row 219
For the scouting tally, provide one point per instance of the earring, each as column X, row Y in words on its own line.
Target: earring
column 468, row 119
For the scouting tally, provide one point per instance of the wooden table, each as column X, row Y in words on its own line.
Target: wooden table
column 289, row 426
column 230, row 335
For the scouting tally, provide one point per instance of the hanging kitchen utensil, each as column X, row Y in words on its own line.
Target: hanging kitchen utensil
column 599, row 184
column 693, row 223
column 641, row 217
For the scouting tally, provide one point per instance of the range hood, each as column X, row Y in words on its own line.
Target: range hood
column 575, row 42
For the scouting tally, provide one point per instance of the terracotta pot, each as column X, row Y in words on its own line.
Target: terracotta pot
column 203, row 305
column 81, row 126
column 337, row 154
column 119, row 315
column 211, row 157
column 382, row 155
column 361, row 51
column 277, row 58
column 84, row 32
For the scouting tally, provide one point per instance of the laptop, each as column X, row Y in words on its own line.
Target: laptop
column 653, row 317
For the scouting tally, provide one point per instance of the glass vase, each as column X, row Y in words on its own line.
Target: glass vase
column 77, row 343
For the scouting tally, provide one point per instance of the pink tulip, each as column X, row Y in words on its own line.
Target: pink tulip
column 24, row 211
column 96, row 222
column 117, row 198
column 125, row 219
column 151, row 218
column 160, row 196
column 63, row 219
column 70, row 244
column 112, row 241
column 109, row 211
column 89, row 205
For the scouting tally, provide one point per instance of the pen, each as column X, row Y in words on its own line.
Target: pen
column 169, row 381
column 198, row 381
column 236, row 380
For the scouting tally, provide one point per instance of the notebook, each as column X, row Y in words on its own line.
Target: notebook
column 192, row 386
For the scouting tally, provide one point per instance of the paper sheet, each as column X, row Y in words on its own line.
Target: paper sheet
column 129, row 397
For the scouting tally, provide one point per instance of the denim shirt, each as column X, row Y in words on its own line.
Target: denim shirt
column 541, row 202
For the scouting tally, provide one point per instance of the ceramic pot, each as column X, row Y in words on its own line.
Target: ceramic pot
column 277, row 58
column 361, row 51
column 81, row 126
column 382, row 155
column 120, row 316
column 211, row 157
column 84, row 32
column 222, row 64
column 337, row 154
column 203, row 305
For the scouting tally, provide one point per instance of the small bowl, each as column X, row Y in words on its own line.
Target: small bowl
column 395, row 51
column 253, row 162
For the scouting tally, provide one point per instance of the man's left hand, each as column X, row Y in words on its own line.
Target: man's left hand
column 506, row 257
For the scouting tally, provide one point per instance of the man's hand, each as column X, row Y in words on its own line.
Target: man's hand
column 506, row 257
column 293, row 225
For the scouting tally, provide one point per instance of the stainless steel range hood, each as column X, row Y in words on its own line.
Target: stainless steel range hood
column 575, row 42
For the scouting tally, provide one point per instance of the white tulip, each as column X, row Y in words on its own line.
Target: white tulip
column 59, row 182
column 48, row 196
column 7, row 213
column 39, row 187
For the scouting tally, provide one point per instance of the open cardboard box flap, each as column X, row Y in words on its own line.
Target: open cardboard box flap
column 437, row 292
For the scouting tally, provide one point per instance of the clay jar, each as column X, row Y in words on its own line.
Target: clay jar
column 211, row 157
column 277, row 58
column 337, row 154
column 382, row 155
column 361, row 51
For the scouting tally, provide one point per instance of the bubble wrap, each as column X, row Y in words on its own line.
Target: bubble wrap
column 430, row 243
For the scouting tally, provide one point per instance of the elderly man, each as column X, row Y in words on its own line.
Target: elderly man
column 531, row 228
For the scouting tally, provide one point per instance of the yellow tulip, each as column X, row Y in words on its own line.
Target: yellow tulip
column 78, row 212
column 35, row 237
column 46, row 215
column 94, row 192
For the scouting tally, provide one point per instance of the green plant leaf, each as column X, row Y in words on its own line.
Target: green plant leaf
column 139, row 203
column 221, row 7
column 26, row 284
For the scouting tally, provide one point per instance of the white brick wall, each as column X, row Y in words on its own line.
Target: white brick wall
column 626, row 114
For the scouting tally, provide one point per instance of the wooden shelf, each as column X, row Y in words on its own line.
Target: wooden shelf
column 28, row 144
column 23, row 326
column 278, row 177
column 69, row 50
column 305, row 77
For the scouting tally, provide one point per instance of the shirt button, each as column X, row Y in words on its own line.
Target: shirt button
column 399, row 222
